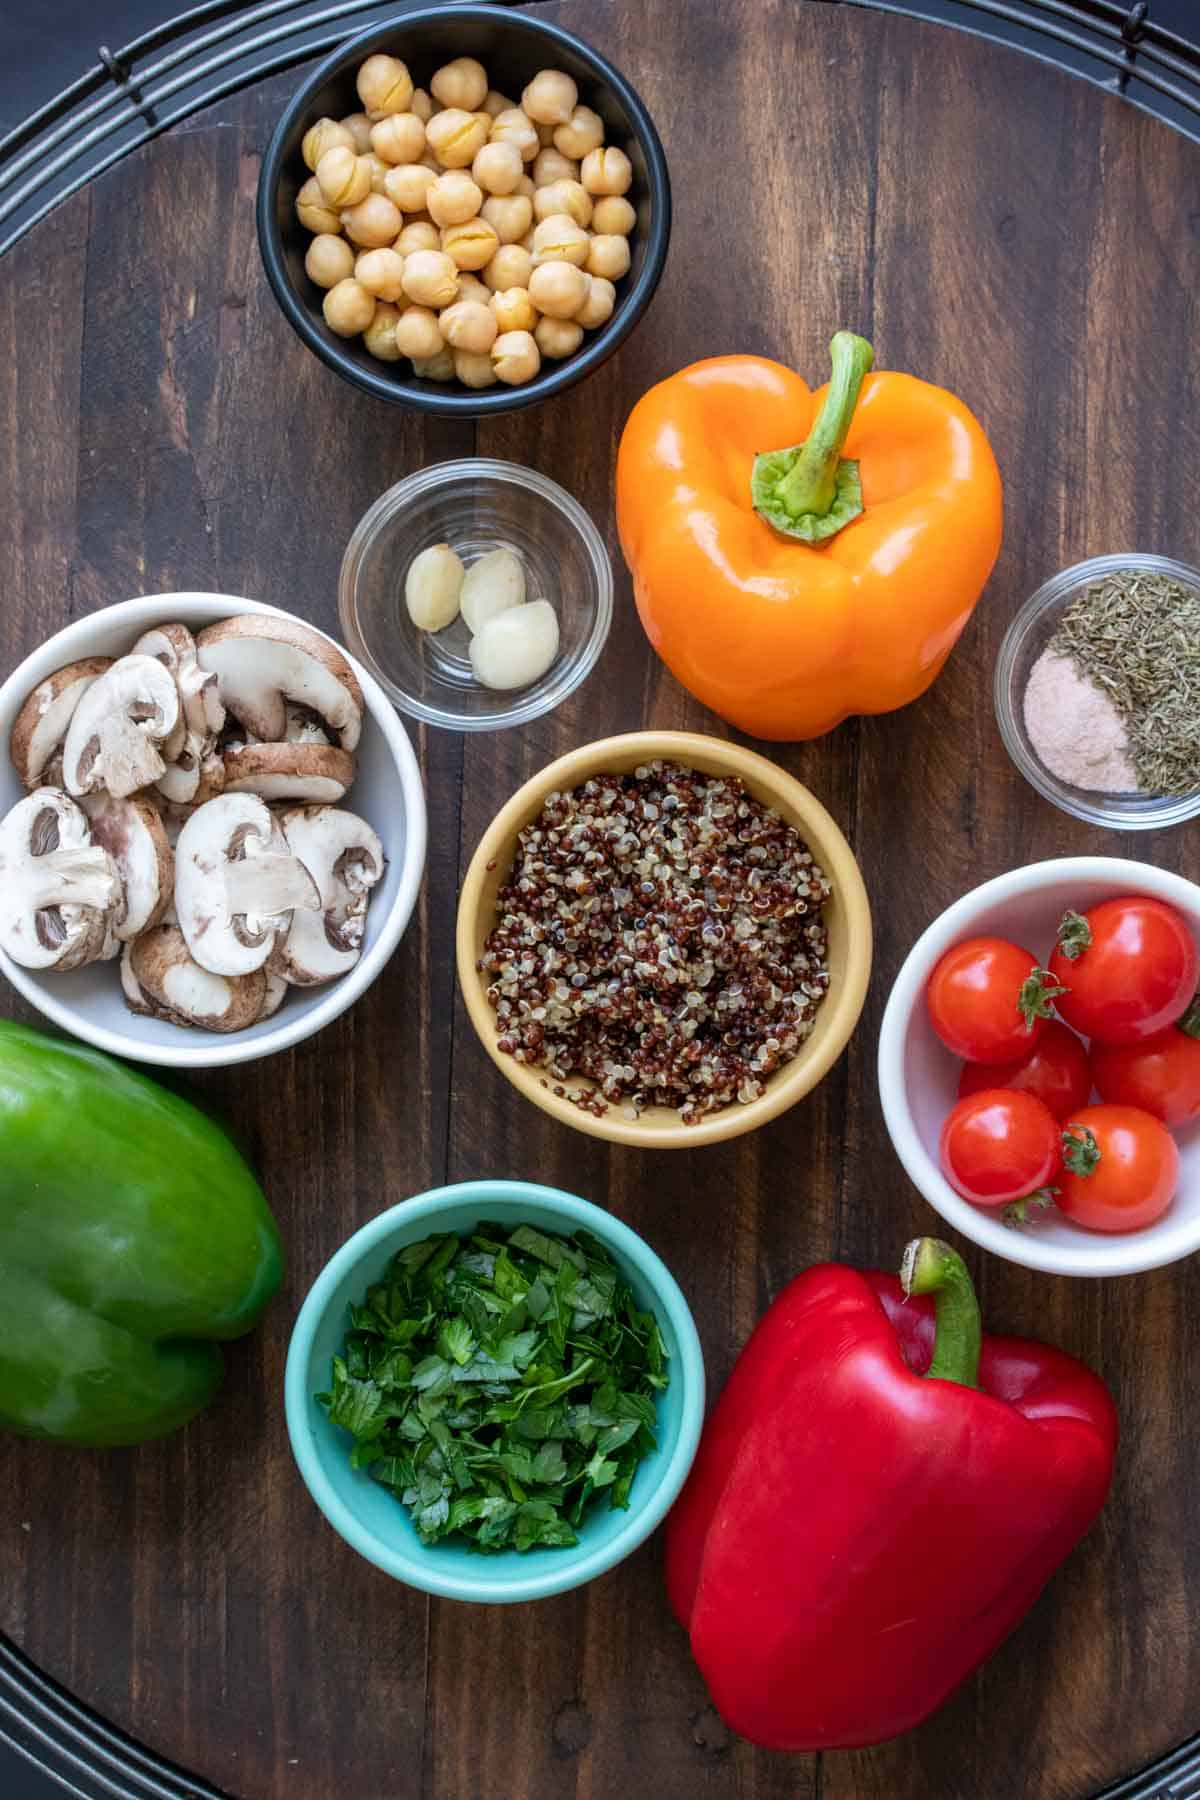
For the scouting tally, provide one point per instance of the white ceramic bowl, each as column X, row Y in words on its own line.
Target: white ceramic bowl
column 918, row 1076
column 387, row 793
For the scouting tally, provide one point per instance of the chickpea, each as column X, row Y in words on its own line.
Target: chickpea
column 373, row 222
column 439, row 367
column 381, row 272
column 418, row 234
column 560, row 239
column 379, row 171
column 494, row 104
column 545, row 137
column 473, row 369
column 453, row 198
column 380, row 335
column 557, row 338
column 513, row 310
column 509, row 216
column 471, row 288
column 314, row 211
column 525, row 186
column 550, row 98
column 456, row 136
column 498, row 168
column 418, row 332
column 557, row 288
column 552, row 165
column 570, row 197
column 526, row 242
column 608, row 256
column 400, row 138
column 581, row 133
column 345, row 178
column 515, row 127
column 329, row 260
column 515, row 357
column 407, row 185
column 472, row 245
column 384, row 86
column 359, row 127
column 430, row 279
column 348, row 308
column 422, row 105
column 612, row 216
column 469, row 326
column 597, row 308
column 325, row 135
column 606, row 171
column 462, row 82
column 510, row 267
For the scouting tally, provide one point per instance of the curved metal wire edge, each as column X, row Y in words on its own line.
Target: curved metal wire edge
column 41, row 1722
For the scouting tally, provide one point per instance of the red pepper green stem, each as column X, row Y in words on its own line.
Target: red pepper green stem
column 932, row 1267
column 810, row 491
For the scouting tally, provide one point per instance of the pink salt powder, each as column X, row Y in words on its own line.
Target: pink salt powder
column 1075, row 729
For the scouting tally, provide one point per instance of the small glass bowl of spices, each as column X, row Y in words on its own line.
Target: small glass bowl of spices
column 1097, row 691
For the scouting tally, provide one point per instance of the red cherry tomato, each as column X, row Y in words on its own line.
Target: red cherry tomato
column 1129, row 967
column 988, row 1000
column 1056, row 1072
column 1121, row 1168
column 1000, row 1145
column 1161, row 1074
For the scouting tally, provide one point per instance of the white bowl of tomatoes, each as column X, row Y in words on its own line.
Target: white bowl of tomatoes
column 1070, row 1117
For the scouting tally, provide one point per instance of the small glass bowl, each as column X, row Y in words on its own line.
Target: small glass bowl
column 1024, row 642
column 474, row 505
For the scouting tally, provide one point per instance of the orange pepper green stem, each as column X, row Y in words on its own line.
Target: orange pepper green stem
column 811, row 490
column 780, row 636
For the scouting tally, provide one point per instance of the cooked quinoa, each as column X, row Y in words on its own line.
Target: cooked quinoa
column 660, row 933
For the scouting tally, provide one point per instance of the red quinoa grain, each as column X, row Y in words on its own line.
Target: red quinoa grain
column 661, row 934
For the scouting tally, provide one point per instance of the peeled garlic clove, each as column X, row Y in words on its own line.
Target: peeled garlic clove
column 432, row 588
column 491, row 586
column 516, row 646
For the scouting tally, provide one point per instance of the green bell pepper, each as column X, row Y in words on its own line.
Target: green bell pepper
column 133, row 1236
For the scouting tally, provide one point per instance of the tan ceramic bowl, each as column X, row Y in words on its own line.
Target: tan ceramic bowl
column 847, row 916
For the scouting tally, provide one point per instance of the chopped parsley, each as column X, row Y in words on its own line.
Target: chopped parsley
column 500, row 1384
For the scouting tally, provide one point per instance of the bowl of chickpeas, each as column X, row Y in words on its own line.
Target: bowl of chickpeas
column 464, row 210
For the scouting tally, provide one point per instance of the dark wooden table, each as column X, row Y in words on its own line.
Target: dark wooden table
column 992, row 224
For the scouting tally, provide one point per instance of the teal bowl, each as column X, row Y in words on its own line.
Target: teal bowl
column 372, row 1520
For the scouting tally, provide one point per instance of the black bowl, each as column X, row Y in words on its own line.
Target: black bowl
column 513, row 46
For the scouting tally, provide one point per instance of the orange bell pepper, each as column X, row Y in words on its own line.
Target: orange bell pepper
column 789, row 589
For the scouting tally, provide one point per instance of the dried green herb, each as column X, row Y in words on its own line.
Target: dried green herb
column 1137, row 636
column 500, row 1385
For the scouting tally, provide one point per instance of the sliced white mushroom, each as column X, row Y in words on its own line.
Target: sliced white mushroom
column 237, row 883
column 262, row 661
column 118, row 727
column 41, row 725
column 59, row 892
column 317, row 772
column 303, row 727
column 133, row 833
column 275, row 995
column 159, row 976
column 175, row 647
column 345, row 858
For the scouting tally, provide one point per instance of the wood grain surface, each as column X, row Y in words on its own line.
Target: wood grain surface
column 993, row 225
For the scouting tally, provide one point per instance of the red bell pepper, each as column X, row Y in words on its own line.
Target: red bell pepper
column 879, row 1497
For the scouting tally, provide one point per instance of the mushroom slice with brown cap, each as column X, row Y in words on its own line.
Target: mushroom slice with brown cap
column 318, row 772
column 114, row 737
column 160, row 977
column 345, row 858
column 175, row 647
column 236, row 884
column 275, row 995
column 41, row 725
column 262, row 661
column 303, row 727
column 59, row 892
column 133, row 833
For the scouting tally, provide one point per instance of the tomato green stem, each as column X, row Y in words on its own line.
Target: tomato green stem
column 1074, row 935
column 810, row 491
column 930, row 1266
column 1081, row 1152
column 1190, row 1022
